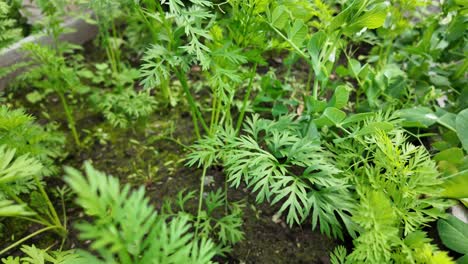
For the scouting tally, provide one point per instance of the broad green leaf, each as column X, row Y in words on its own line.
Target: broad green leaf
column 298, row 33
column 314, row 105
column 355, row 67
column 418, row 117
column 340, row 97
column 462, row 2
column 455, row 186
column 447, row 120
column 300, row 9
column 356, row 118
column 461, row 124
column 452, row 155
column 331, row 116
column 342, row 18
column 374, row 127
column 454, row 234
column 279, row 109
column 34, row 97
column 279, row 17
column 335, row 115
column 315, row 43
column 463, row 260
column 371, row 19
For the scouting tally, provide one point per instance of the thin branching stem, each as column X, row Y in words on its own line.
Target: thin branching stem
column 246, row 99
column 71, row 120
column 19, row 242
column 200, row 199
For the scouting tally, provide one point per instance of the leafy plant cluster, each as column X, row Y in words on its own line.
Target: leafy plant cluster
column 349, row 116
column 8, row 27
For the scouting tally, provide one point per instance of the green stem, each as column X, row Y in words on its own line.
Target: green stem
column 71, row 120
column 200, row 199
column 217, row 114
column 196, row 114
column 34, row 220
column 214, row 103
column 316, row 87
column 173, row 140
column 246, row 99
column 309, row 78
column 39, row 218
column 116, row 50
column 19, row 242
column 52, row 210
column 226, row 196
column 154, row 32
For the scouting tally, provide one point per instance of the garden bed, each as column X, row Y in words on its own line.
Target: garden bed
column 184, row 133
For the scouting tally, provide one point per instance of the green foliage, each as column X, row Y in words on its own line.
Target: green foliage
column 8, row 27
column 127, row 229
column 124, row 108
column 380, row 222
column 283, row 164
column 20, row 175
column 455, row 185
column 101, row 75
column 404, row 172
column 16, row 176
column 220, row 221
column 60, row 77
column 454, row 234
column 337, row 161
column 19, row 131
column 461, row 125
column 53, row 73
column 40, row 256
column 399, row 192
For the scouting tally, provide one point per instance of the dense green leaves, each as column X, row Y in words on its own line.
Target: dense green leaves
column 325, row 142
column 19, row 131
column 284, row 166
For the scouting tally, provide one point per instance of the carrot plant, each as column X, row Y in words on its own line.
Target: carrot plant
column 134, row 232
column 16, row 175
column 347, row 116
column 60, row 78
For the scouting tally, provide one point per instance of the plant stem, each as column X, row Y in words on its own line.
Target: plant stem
column 309, row 78
column 39, row 219
column 173, row 140
column 226, row 196
column 214, row 103
column 200, row 199
column 19, row 242
column 246, row 99
column 52, row 210
column 71, row 120
column 316, row 87
column 196, row 114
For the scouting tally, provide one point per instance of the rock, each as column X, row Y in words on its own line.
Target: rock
column 460, row 212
